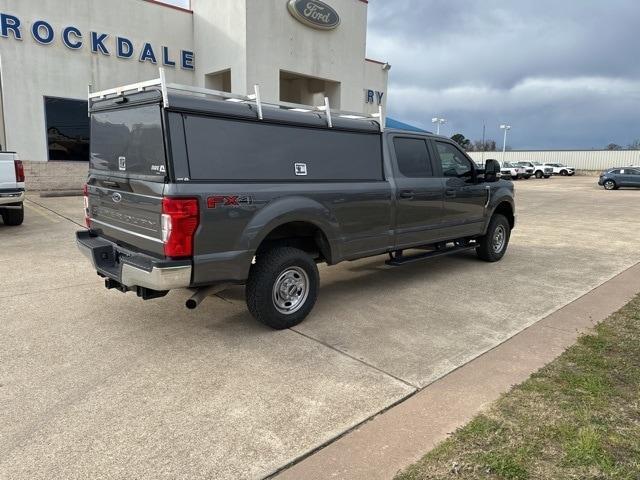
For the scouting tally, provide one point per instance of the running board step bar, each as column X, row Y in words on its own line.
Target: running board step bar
column 399, row 259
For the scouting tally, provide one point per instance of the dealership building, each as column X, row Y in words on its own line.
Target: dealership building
column 51, row 51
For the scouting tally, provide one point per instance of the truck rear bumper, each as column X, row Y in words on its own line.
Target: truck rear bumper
column 11, row 196
column 132, row 269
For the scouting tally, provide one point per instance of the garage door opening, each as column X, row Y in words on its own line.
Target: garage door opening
column 68, row 129
column 296, row 88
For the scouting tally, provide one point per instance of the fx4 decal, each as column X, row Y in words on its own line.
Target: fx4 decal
column 229, row 201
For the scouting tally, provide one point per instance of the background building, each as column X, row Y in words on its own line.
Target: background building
column 51, row 50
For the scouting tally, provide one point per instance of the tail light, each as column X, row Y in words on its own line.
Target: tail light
column 19, row 167
column 85, row 196
column 180, row 219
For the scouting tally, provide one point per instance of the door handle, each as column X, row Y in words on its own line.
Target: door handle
column 408, row 194
column 450, row 192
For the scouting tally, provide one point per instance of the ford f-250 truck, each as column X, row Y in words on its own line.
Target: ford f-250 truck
column 200, row 189
column 11, row 189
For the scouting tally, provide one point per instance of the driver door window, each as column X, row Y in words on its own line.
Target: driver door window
column 454, row 162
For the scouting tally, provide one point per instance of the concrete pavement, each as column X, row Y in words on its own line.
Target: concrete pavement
column 392, row 441
column 99, row 384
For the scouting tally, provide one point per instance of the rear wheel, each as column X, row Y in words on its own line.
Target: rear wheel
column 13, row 217
column 539, row 174
column 282, row 287
column 564, row 173
column 494, row 244
column 610, row 185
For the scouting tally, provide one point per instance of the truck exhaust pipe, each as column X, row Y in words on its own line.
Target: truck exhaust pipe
column 204, row 292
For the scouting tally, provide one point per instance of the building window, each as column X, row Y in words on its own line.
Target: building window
column 220, row 81
column 67, row 129
column 305, row 90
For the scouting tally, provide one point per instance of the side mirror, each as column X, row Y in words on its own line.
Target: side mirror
column 491, row 170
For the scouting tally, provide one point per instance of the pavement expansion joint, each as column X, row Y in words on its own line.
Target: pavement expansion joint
column 359, row 360
column 54, row 212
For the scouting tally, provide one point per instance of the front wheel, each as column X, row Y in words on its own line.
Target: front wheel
column 494, row 244
column 13, row 217
column 282, row 287
column 564, row 173
column 539, row 174
column 610, row 185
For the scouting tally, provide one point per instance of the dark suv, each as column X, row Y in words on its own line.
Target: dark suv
column 188, row 190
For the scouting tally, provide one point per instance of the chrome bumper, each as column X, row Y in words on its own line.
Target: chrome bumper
column 11, row 197
column 166, row 278
column 157, row 278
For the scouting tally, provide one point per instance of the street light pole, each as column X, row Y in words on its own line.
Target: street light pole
column 438, row 121
column 506, row 128
column 484, row 129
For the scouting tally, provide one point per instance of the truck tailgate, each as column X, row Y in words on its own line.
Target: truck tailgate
column 126, row 217
column 7, row 171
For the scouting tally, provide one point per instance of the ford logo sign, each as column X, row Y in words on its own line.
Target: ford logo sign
column 314, row 13
column 116, row 197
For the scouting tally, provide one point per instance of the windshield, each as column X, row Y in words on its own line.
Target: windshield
column 128, row 142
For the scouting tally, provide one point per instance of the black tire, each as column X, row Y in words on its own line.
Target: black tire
column 13, row 217
column 610, row 185
column 486, row 250
column 539, row 174
column 527, row 177
column 564, row 173
column 282, row 264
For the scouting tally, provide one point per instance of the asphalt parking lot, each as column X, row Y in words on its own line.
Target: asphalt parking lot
column 97, row 384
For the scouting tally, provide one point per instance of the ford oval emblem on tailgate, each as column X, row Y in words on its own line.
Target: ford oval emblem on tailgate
column 116, row 197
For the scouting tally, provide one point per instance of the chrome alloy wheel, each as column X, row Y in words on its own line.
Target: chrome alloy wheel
column 499, row 238
column 609, row 185
column 290, row 290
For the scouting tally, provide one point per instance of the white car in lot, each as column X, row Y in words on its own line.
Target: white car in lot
column 539, row 170
column 561, row 169
column 512, row 170
column 11, row 188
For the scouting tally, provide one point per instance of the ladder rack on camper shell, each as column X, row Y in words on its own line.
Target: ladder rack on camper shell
column 231, row 97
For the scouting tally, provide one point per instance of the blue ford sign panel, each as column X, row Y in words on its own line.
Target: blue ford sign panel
column 314, row 13
column 100, row 43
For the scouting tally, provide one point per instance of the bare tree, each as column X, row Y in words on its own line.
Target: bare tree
column 488, row 146
column 635, row 145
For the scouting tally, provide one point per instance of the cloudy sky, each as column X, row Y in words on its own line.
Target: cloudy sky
column 563, row 73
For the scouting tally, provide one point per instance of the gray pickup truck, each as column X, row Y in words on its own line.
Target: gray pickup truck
column 202, row 190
